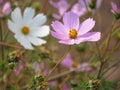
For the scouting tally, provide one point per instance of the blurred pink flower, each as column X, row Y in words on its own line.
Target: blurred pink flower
column 72, row 32
column 70, row 64
column 1, row 1
column 65, row 87
column 62, row 6
column 115, row 9
column 82, row 6
column 79, row 8
column 6, row 9
column 20, row 67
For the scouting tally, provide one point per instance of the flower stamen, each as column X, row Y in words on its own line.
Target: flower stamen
column 73, row 33
column 75, row 64
column 25, row 30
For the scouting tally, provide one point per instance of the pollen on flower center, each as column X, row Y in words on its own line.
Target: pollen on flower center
column 74, row 64
column 25, row 30
column 73, row 33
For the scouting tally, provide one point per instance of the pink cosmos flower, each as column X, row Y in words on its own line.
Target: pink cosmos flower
column 70, row 64
column 62, row 6
column 6, row 9
column 115, row 9
column 72, row 32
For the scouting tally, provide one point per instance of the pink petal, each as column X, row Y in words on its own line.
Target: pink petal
column 79, row 9
column 20, row 67
column 115, row 8
column 71, row 21
column 56, row 16
column 59, row 36
column 85, row 67
column 1, row 1
column 91, row 36
column 67, row 42
column 86, row 26
column 6, row 8
column 65, row 87
column 58, row 27
column 61, row 5
column 67, row 62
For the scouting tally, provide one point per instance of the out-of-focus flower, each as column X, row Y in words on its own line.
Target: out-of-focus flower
column 28, row 29
column 65, row 87
column 70, row 64
column 62, row 6
column 6, row 9
column 1, row 1
column 83, row 6
column 20, row 67
column 79, row 8
column 115, row 10
column 72, row 32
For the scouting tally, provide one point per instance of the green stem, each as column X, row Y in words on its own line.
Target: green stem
column 1, row 39
column 60, row 60
column 61, row 75
column 106, row 50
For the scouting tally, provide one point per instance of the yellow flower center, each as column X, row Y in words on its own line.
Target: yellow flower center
column 75, row 64
column 25, row 30
column 73, row 33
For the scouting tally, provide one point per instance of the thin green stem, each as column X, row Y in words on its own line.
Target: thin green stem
column 115, row 64
column 98, row 51
column 106, row 50
column 1, row 39
column 60, row 60
column 62, row 74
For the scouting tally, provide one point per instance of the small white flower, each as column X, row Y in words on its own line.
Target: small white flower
column 28, row 29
